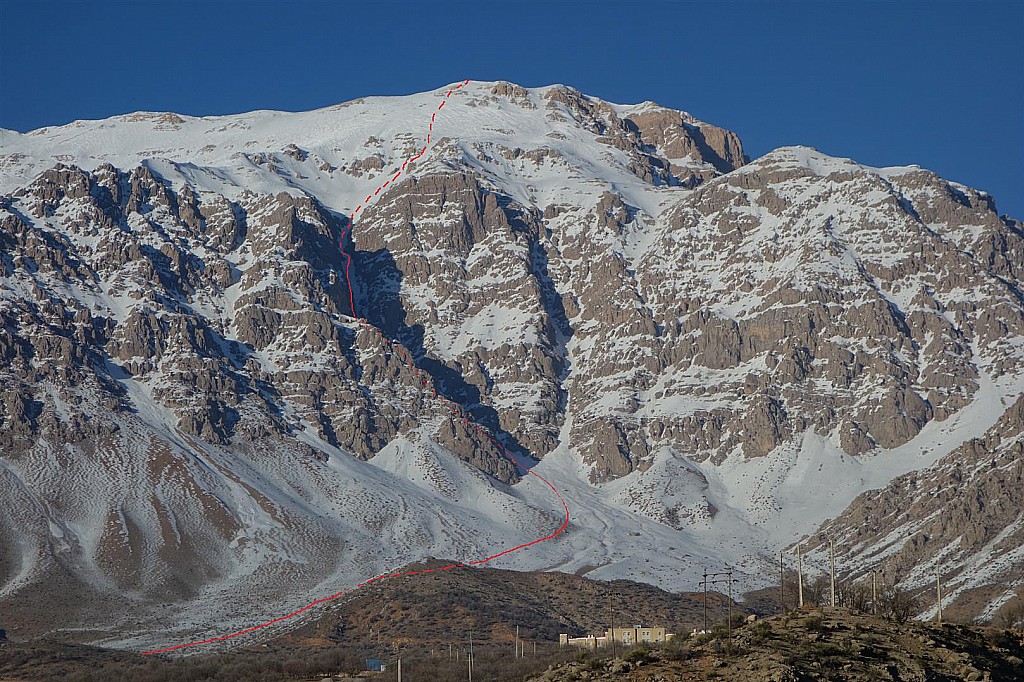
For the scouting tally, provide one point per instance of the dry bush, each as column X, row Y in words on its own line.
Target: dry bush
column 898, row 604
column 1012, row 614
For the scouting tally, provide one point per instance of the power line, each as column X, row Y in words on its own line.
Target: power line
column 715, row 579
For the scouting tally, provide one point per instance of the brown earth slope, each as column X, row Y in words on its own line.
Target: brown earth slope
column 419, row 619
column 826, row 644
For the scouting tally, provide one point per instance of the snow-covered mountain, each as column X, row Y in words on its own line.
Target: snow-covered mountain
column 708, row 357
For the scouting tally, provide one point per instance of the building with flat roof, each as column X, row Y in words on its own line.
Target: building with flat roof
column 626, row 636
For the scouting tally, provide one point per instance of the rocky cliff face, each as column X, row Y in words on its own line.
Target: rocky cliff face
column 690, row 344
column 760, row 303
column 960, row 518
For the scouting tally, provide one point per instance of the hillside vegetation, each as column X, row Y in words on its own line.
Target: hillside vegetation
column 818, row 644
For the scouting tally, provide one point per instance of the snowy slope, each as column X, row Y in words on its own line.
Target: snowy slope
column 708, row 359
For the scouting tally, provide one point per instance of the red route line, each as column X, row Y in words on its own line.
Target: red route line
column 406, row 360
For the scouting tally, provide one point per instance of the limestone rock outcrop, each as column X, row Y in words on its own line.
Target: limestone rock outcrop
column 194, row 399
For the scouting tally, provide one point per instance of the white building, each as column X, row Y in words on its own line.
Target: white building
column 627, row 636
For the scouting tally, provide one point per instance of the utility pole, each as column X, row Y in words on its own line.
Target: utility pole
column 782, row 584
column 470, row 657
column 832, row 570
column 799, row 576
column 874, row 591
column 714, row 579
column 730, row 607
column 938, row 595
column 517, row 641
column 611, row 632
column 399, row 670
column 705, row 600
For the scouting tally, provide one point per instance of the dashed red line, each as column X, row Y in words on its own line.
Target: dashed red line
column 406, row 360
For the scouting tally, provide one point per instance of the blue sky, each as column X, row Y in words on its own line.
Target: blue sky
column 940, row 84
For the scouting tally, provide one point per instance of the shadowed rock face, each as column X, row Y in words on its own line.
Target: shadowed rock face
column 188, row 356
column 194, row 349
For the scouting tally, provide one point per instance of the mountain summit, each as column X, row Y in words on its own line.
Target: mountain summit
column 708, row 356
